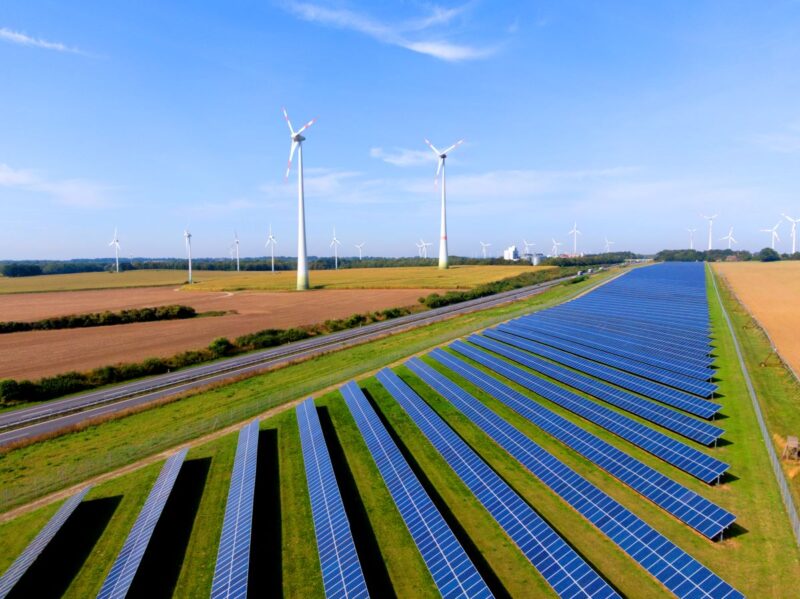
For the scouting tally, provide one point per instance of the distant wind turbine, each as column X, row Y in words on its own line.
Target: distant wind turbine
column 419, row 245
column 236, row 245
column 443, row 263
column 554, row 250
column 187, row 237
column 484, row 247
column 271, row 242
column 574, row 232
column 297, row 144
column 773, row 232
column 115, row 244
column 794, row 222
column 528, row 247
column 359, row 247
column 710, row 220
column 729, row 238
column 335, row 243
column 608, row 245
column 691, row 238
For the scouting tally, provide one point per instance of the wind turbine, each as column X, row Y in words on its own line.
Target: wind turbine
column 729, row 238
column 773, row 233
column 236, row 245
column 115, row 244
column 420, row 247
column 187, row 237
column 691, row 238
column 441, row 168
column 297, row 144
column 425, row 246
column 528, row 247
column 271, row 242
column 359, row 246
column 794, row 222
column 554, row 250
column 483, row 248
column 335, row 245
column 710, row 220
column 608, row 245
column 574, row 232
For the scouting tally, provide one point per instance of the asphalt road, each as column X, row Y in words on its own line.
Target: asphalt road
column 58, row 414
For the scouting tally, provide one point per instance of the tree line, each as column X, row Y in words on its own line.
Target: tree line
column 764, row 255
column 101, row 319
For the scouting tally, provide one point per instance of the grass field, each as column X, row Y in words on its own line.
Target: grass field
column 422, row 277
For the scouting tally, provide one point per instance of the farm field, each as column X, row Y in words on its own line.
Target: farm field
column 771, row 293
column 40, row 353
column 421, row 277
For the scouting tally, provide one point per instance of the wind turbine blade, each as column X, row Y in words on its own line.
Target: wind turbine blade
column 307, row 125
column 432, row 147
column 453, row 147
column 291, row 155
column 288, row 122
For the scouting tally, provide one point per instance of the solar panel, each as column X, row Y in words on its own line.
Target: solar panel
column 448, row 563
column 35, row 548
column 695, row 510
column 669, row 564
column 672, row 397
column 120, row 577
column 566, row 571
column 341, row 570
column 678, row 454
column 691, row 428
column 233, row 556
column 654, row 373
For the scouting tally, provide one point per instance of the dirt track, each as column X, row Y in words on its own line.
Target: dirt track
column 41, row 353
column 771, row 292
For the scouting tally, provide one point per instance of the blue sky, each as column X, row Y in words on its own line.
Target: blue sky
column 630, row 118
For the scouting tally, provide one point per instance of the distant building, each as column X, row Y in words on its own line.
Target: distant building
column 537, row 258
column 511, row 253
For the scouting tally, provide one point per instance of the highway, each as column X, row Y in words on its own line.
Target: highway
column 48, row 417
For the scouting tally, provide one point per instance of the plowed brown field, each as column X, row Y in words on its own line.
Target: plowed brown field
column 771, row 293
column 41, row 353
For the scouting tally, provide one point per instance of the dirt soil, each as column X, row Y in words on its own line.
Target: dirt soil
column 771, row 293
column 41, row 353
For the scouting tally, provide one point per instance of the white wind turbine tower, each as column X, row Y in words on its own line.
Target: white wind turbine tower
column 484, row 247
column 335, row 243
column 608, row 245
column 794, row 222
column 187, row 237
column 115, row 244
column 420, row 246
column 773, row 233
column 729, row 238
column 236, row 245
column 441, row 168
column 691, row 238
column 297, row 144
column 271, row 242
column 359, row 247
column 528, row 247
column 710, row 220
column 574, row 232
column 554, row 249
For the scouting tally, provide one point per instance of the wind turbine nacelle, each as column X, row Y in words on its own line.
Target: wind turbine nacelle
column 298, row 138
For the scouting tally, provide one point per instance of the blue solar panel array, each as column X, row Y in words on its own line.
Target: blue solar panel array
column 35, row 547
column 452, row 571
column 695, row 510
column 669, row 564
column 566, row 571
column 342, row 576
column 678, row 454
column 683, row 424
column 120, row 577
column 233, row 556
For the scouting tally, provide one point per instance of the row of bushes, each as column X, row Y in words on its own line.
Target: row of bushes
column 101, row 319
column 15, row 392
column 434, row 300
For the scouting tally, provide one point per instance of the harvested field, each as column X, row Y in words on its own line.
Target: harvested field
column 771, row 293
column 100, row 280
column 40, row 353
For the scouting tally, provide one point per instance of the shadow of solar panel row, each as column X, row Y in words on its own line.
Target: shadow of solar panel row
column 683, row 424
column 233, row 556
column 564, row 570
column 451, row 569
column 694, row 510
column 674, row 452
column 566, row 348
column 120, row 577
column 674, row 568
column 697, row 367
column 341, row 571
column 672, row 397
column 17, row 569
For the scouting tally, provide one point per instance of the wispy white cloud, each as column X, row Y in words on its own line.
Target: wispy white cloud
column 403, row 156
column 787, row 141
column 16, row 37
column 72, row 192
column 412, row 35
